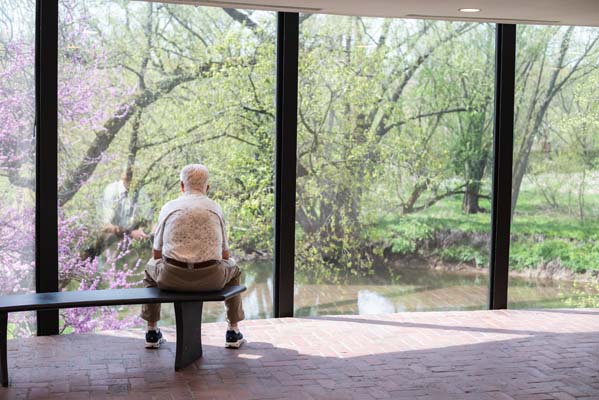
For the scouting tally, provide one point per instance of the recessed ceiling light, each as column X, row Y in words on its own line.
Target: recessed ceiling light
column 469, row 10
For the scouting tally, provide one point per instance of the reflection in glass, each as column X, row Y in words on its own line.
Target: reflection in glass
column 146, row 88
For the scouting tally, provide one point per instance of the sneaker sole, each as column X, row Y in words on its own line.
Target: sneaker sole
column 152, row 345
column 234, row 345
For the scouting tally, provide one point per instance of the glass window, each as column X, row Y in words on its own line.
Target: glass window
column 146, row 88
column 394, row 165
column 554, row 256
column 17, row 156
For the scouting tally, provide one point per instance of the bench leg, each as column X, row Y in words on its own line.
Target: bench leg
column 189, row 332
column 3, row 358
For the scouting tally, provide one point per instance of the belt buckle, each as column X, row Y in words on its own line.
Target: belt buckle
column 189, row 265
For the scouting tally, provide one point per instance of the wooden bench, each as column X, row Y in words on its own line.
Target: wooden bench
column 188, row 313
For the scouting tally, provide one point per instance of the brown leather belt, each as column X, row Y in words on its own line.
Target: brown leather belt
column 189, row 265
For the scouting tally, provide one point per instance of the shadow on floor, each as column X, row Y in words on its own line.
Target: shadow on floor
column 426, row 326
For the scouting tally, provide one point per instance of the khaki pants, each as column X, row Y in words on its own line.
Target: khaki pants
column 214, row 277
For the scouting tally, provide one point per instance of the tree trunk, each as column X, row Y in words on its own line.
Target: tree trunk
column 581, row 190
column 470, row 201
column 408, row 206
column 475, row 173
column 133, row 144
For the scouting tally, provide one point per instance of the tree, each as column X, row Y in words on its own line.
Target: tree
column 471, row 130
column 187, row 74
column 370, row 96
column 548, row 61
column 131, row 85
column 576, row 136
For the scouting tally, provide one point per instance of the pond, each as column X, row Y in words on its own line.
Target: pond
column 411, row 289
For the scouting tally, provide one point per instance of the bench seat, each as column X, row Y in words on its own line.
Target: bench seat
column 188, row 313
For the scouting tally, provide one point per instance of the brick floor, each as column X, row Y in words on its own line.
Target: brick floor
column 480, row 355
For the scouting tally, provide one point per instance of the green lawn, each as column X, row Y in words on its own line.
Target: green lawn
column 540, row 234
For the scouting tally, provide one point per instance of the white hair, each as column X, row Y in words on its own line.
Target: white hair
column 194, row 177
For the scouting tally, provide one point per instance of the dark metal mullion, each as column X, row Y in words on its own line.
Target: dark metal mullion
column 46, row 191
column 286, row 158
column 503, row 143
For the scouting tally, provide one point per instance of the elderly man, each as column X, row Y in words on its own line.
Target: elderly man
column 191, row 253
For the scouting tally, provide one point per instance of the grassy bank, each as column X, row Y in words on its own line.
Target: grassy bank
column 542, row 237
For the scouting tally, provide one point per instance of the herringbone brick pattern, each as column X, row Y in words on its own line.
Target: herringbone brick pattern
column 480, row 355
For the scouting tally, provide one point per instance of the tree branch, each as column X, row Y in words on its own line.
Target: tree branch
column 386, row 129
column 304, row 17
column 432, row 201
column 257, row 111
column 242, row 18
column 105, row 136
column 143, row 180
column 186, row 27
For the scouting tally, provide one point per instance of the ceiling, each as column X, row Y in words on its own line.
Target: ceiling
column 554, row 12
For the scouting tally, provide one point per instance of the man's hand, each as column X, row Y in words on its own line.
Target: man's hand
column 138, row 234
column 112, row 230
column 225, row 254
column 157, row 254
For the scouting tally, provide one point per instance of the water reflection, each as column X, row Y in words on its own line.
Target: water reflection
column 417, row 289
column 373, row 303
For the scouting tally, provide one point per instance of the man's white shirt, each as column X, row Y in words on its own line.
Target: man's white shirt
column 191, row 229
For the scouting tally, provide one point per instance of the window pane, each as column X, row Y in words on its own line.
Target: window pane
column 17, row 156
column 146, row 88
column 554, row 256
column 394, row 165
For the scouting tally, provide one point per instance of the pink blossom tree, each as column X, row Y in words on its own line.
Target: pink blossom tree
column 86, row 96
